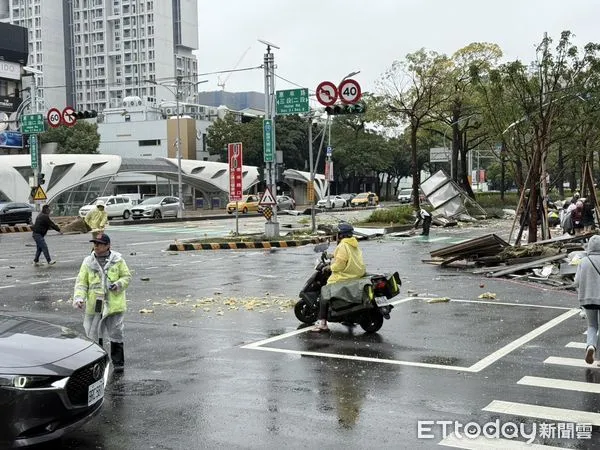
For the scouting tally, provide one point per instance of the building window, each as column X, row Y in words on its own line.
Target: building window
column 149, row 142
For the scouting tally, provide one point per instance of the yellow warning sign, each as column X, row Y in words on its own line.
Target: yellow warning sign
column 39, row 194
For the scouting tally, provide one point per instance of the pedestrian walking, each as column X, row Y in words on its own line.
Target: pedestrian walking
column 587, row 282
column 40, row 228
column 588, row 220
column 423, row 216
column 96, row 219
column 100, row 287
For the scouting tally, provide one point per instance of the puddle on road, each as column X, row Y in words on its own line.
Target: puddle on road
column 140, row 388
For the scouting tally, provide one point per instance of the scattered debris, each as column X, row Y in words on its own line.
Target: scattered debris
column 439, row 300
column 552, row 261
column 146, row 311
column 488, row 295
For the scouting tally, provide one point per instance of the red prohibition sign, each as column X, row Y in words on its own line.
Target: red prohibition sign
column 327, row 93
column 349, row 91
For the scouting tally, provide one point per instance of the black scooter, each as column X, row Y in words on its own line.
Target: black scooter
column 367, row 312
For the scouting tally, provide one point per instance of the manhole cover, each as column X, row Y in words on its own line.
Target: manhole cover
column 142, row 388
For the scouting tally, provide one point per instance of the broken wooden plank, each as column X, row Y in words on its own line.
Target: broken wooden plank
column 529, row 265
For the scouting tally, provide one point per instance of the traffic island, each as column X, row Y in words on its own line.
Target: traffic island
column 247, row 242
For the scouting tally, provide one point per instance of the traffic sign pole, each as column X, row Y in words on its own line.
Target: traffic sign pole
column 271, row 228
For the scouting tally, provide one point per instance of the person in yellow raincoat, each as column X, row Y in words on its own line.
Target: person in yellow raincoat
column 347, row 264
column 96, row 219
column 100, row 288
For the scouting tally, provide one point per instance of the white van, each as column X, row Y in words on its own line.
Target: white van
column 114, row 205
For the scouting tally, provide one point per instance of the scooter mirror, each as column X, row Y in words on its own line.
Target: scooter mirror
column 321, row 247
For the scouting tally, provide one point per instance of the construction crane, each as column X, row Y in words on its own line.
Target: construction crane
column 222, row 81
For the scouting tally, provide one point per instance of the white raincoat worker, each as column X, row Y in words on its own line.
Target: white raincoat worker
column 100, row 286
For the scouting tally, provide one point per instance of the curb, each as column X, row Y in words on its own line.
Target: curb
column 244, row 245
column 15, row 229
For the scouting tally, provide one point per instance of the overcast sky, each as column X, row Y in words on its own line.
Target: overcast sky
column 326, row 39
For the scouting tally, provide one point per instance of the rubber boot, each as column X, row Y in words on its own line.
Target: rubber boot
column 426, row 226
column 117, row 356
column 100, row 342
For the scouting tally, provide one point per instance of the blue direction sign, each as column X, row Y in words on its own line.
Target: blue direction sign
column 329, row 151
column 268, row 140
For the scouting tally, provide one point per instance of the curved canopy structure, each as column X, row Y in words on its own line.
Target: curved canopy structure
column 65, row 171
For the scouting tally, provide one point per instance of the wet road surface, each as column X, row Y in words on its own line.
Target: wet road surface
column 221, row 362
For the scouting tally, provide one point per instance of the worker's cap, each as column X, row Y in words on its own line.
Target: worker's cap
column 101, row 239
column 100, row 203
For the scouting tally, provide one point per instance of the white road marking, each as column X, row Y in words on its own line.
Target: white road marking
column 571, row 362
column 482, row 442
column 488, row 360
column 543, row 412
column 170, row 241
column 581, row 345
column 477, row 367
column 39, row 282
column 9, row 286
column 69, row 279
column 553, row 383
column 564, row 308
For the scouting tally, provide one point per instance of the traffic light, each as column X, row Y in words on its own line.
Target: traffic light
column 41, row 179
column 86, row 114
column 339, row 109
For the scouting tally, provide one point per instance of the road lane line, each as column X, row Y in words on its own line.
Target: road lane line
column 554, row 383
column 9, row 286
column 571, row 362
column 482, row 442
column 490, row 359
column 40, row 282
column 564, row 308
column 543, row 412
column 68, row 279
column 581, row 345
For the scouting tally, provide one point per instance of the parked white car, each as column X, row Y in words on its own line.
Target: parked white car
column 114, row 205
column 336, row 202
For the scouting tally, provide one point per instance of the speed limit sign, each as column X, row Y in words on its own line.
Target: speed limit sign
column 53, row 117
column 349, row 91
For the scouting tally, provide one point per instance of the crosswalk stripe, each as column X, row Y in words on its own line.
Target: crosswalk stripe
column 543, row 412
column 568, row 385
column 572, row 362
column 482, row 442
column 581, row 345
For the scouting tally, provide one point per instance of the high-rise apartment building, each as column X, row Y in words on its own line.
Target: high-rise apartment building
column 94, row 53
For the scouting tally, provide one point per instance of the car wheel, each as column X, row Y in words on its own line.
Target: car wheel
column 126, row 214
column 245, row 210
column 157, row 214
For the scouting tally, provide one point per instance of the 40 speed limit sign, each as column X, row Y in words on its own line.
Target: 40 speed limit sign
column 54, row 117
column 349, row 91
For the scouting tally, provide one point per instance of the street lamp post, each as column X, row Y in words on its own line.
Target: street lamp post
column 177, row 94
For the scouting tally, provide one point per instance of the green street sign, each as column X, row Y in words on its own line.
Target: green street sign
column 292, row 101
column 33, row 149
column 268, row 140
column 32, row 123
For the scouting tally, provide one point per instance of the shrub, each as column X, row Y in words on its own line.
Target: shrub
column 396, row 214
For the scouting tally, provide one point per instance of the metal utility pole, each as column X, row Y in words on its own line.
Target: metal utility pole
column 312, row 176
column 178, row 145
column 272, row 226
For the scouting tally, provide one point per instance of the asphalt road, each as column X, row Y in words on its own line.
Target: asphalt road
column 222, row 363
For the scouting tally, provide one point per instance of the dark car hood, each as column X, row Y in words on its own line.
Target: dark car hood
column 27, row 342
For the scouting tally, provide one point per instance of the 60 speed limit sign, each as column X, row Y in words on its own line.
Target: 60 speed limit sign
column 53, row 117
column 349, row 91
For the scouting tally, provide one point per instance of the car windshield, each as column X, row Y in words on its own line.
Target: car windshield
column 363, row 195
column 405, row 191
column 151, row 201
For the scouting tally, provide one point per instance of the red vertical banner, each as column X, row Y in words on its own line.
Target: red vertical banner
column 234, row 156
